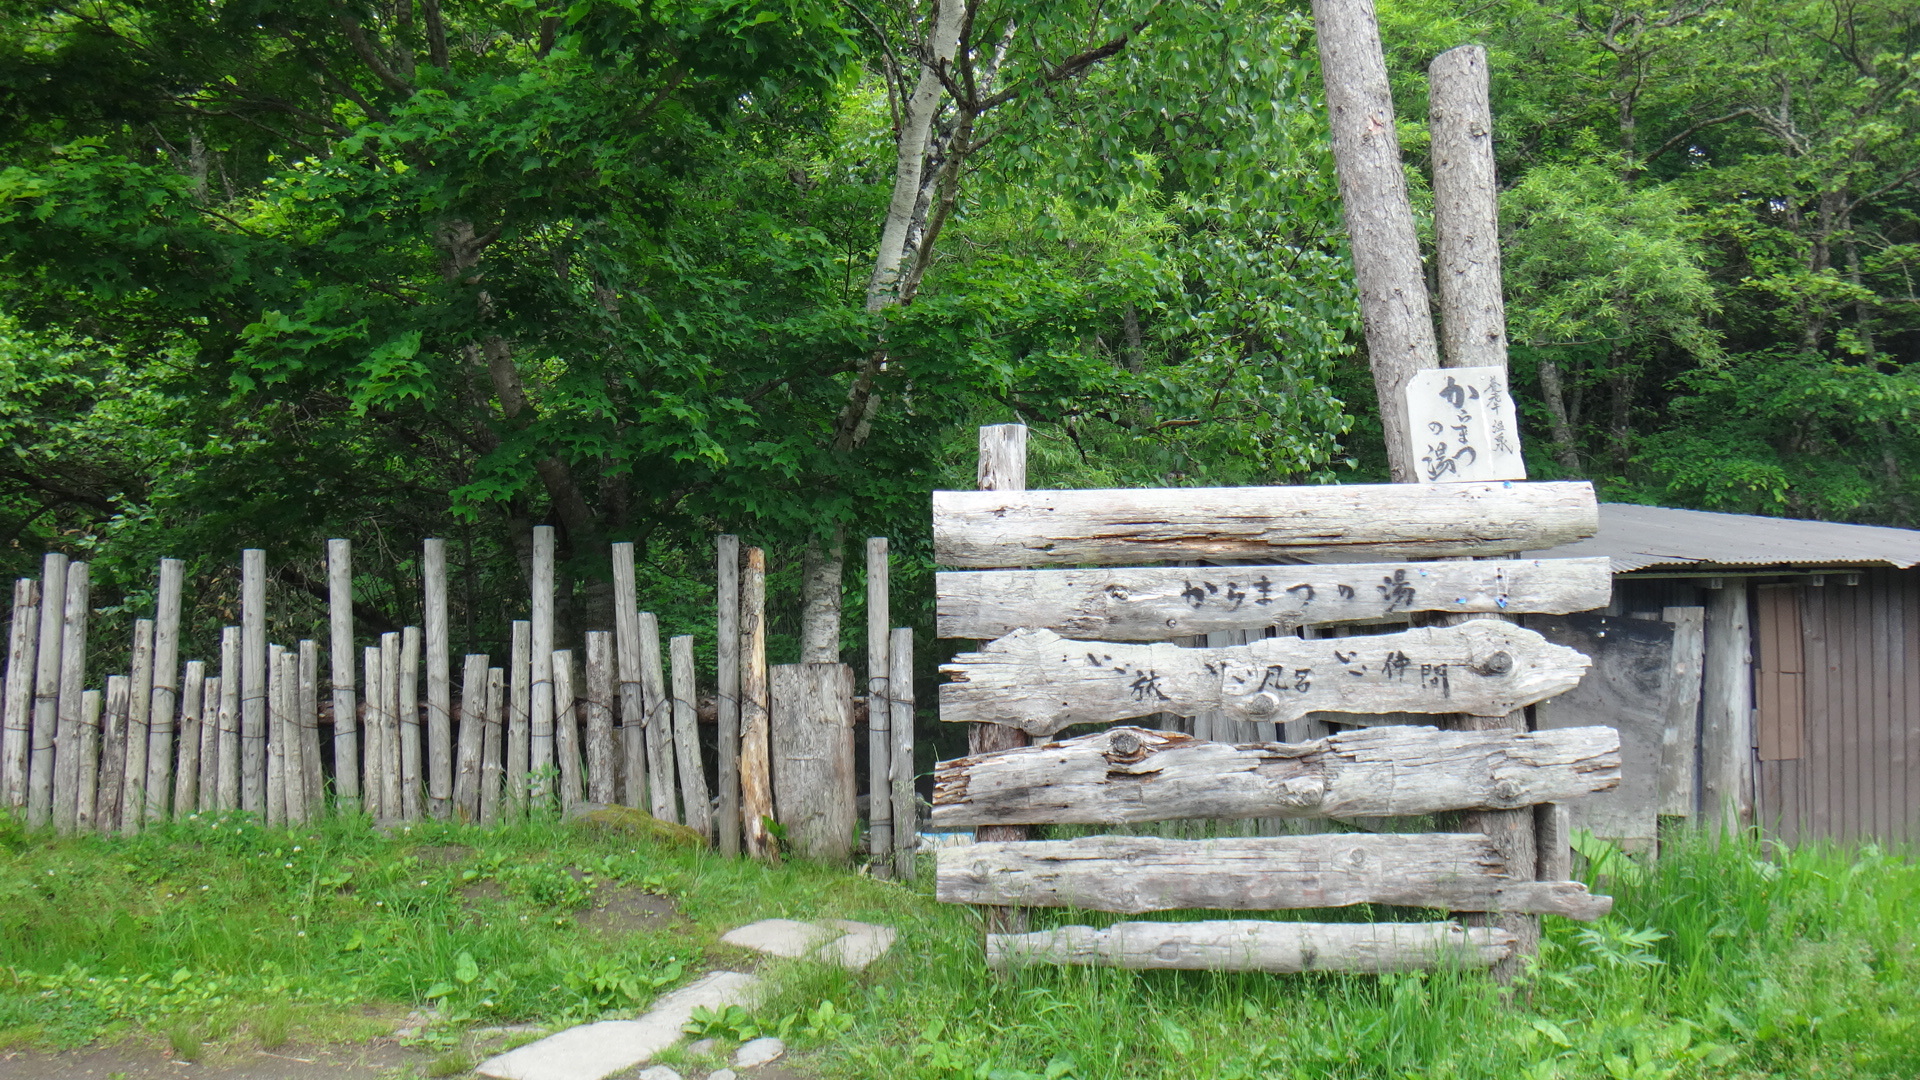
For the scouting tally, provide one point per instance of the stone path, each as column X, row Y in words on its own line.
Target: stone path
column 599, row 1050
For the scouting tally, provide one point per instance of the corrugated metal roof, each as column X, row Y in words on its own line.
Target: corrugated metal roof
column 1640, row 537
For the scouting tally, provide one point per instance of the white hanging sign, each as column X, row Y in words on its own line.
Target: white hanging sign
column 1461, row 422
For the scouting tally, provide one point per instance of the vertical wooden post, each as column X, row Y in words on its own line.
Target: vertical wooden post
column 812, row 753
column 1002, row 467
column 346, row 718
column 659, row 722
column 90, row 706
column 106, row 795
column 207, row 798
column 756, row 776
column 601, row 765
column 408, row 705
column 166, row 687
column 879, row 711
column 566, row 729
column 1379, row 215
column 131, row 809
column 519, row 707
column 293, row 765
column 473, row 723
column 490, row 768
column 1680, row 735
column 1553, row 831
column 73, row 673
column 540, row 790
column 727, row 827
column 633, row 709
column 230, row 734
column 276, row 738
column 439, row 684
column 312, row 774
column 392, row 800
column 374, row 752
column 46, row 689
column 1726, row 712
column 186, row 777
column 906, row 805
column 686, row 738
column 253, row 681
column 18, row 710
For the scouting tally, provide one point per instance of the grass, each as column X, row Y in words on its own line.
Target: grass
column 1740, row 962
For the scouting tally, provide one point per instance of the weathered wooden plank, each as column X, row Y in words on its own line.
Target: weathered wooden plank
column 1117, row 527
column 1680, row 734
column 1134, row 874
column 812, row 745
column 1251, row 945
column 1040, row 682
column 1129, row 774
column 1155, row 603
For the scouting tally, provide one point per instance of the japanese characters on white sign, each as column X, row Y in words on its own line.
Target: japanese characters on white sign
column 1461, row 421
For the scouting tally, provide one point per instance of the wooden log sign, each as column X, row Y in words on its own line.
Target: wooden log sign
column 1253, row 945
column 1040, row 682
column 1127, row 774
column 1118, row 527
column 1160, row 602
column 1134, row 874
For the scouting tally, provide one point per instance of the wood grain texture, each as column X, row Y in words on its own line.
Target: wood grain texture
column 1129, row 774
column 566, row 730
column 492, row 772
column 1160, row 602
column 207, row 798
column 227, row 784
column 1250, row 945
column 601, row 764
column 1134, row 874
column 756, row 705
column 165, row 690
column 186, row 775
column 91, row 706
column 1466, row 222
column 310, row 763
column 1039, row 682
column 906, row 808
column 633, row 705
column 727, row 677
column 812, row 732
column 433, row 571
column 1726, row 712
column 112, row 769
column 1680, row 735
column 346, row 719
column 131, row 811
column 473, row 707
column 661, row 786
column 16, row 737
column 697, row 808
column 519, row 709
column 73, row 674
column 879, row 713
column 253, row 681
column 46, row 689
column 1119, row 527
column 540, row 684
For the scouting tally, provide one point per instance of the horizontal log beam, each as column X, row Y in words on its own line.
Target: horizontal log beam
column 1120, row 527
column 1281, row 948
column 1134, row 874
column 1131, row 775
column 1040, row 682
column 1159, row 602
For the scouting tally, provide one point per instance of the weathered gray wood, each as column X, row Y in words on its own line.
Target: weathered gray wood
column 1466, row 221
column 661, row 786
column 519, row 713
column 1680, row 734
column 373, row 737
column 473, row 706
column 346, row 717
column 601, row 766
column 879, row 713
column 756, row 776
column 130, row 812
column 165, row 691
column 73, row 673
column 812, row 733
column 1133, row 874
column 540, row 706
column 276, row 736
column 633, row 706
column 1625, row 689
column 1039, row 682
column 392, row 800
column 1726, row 712
column 46, row 689
column 253, row 681
column 1248, row 945
column 293, row 759
column 686, row 739
column 1161, row 602
column 207, row 798
column 113, row 731
column 186, row 776
column 1465, row 427
column 490, row 766
column 727, row 690
column 906, row 822
column 308, row 728
column 1001, row 466
column 1553, row 844
column 90, row 709
column 1373, row 521
column 1379, row 215
column 1128, row 774
column 439, row 682
column 412, row 805
column 566, row 730
column 16, row 736
column 1002, row 461
column 227, row 788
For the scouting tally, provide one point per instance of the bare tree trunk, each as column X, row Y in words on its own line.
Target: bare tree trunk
column 910, row 159
column 1466, row 221
column 821, row 568
column 1379, row 216
column 1620, row 415
column 1564, row 448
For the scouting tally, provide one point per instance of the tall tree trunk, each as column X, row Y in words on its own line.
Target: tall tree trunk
column 1466, row 222
column 821, row 569
column 1620, row 415
column 1565, row 451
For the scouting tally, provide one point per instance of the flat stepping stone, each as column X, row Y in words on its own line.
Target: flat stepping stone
column 596, row 1051
column 759, row 1052
column 852, row 945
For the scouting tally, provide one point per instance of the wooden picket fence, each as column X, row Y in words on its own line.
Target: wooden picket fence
column 272, row 730
column 1086, row 643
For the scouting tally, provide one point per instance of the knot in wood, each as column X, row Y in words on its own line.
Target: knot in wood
column 1498, row 664
column 1263, row 703
column 1124, row 744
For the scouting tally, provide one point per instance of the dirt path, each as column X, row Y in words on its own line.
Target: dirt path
column 132, row 1061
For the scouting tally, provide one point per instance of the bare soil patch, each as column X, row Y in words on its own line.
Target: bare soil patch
column 623, row 909
column 349, row 1061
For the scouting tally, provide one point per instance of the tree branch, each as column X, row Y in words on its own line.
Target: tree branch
column 1692, row 131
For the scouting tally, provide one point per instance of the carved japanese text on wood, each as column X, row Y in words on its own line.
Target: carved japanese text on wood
column 1159, row 602
column 1128, row 774
column 1040, row 682
column 1461, row 423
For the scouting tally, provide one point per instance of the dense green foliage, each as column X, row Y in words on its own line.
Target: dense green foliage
column 1739, row 961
